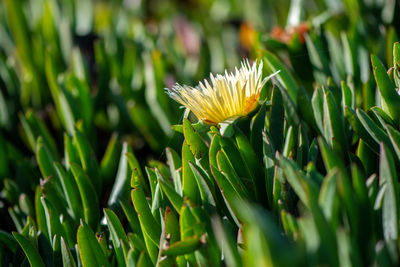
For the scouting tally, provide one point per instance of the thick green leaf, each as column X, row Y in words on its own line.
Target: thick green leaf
column 215, row 146
column 361, row 131
column 35, row 127
column 44, row 158
column 144, row 260
column 132, row 258
column 226, row 243
column 280, row 193
column 302, row 148
column 40, row 213
column 199, row 126
column 88, row 159
column 90, row 251
column 334, row 125
column 70, row 152
column 132, row 217
column 63, row 107
column 290, row 141
column 118, row 235
column 336, row 54
column 374, row 131
column 19, row 28
column 188, row 228
column 296, row 180
column 53, row 222
column 175, row 163
column 8, row 240
column 83, row 95
column 147, row 125
column 269, row 163
column 284, row 75
column 175, row 199
column 289, row 224
column 196, row 144
column 333, row 161
column 71, row 191
column 189, row 245
column 268, row 246
column 292, row 116
column 390, row 208
column 68, row 260
column 226, row 169
column 120, row 189
column 25, row 205
column 171, row 226
column 149, row 225
column 228, row 191
column 252, row 163
column 110, row 159
column 349, row 55
column 396, row 57
column 328, row 199
column 205, row 188
column 135, row 167
column 330, row 157
column 137, row 242
column 152, row 177
column 305, row 108
column 318, row 58
column 88, row 195
column 381, row 117
column 157, row 199
column 349, row 98
column 54, row 194
column 236, row 160
column 155, row 96
column 317, row 102
column 30, row 251
column 394, row 136
column 326, row 233
column 390, row 96
column 257, row 127
column 189, row 184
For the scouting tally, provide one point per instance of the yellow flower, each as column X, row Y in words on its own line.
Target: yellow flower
column 228, row 96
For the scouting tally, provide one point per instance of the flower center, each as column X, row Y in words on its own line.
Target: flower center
column 251, row 103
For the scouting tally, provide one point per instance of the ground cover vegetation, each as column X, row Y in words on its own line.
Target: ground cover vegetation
column 99, row 166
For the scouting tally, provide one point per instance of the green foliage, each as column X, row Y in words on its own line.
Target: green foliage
column 98, row 167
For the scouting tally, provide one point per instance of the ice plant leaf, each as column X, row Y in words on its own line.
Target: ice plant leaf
column 226, row 97
column 284, row 76
column 148, row 224
column 89, row 249
column 30, row 251
column 175, row 199
column 386, row 88
column 183, row 247
column 67, row 258
column 88, row 195
column 390, row 209
column 118, row 235
column 189, row 185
